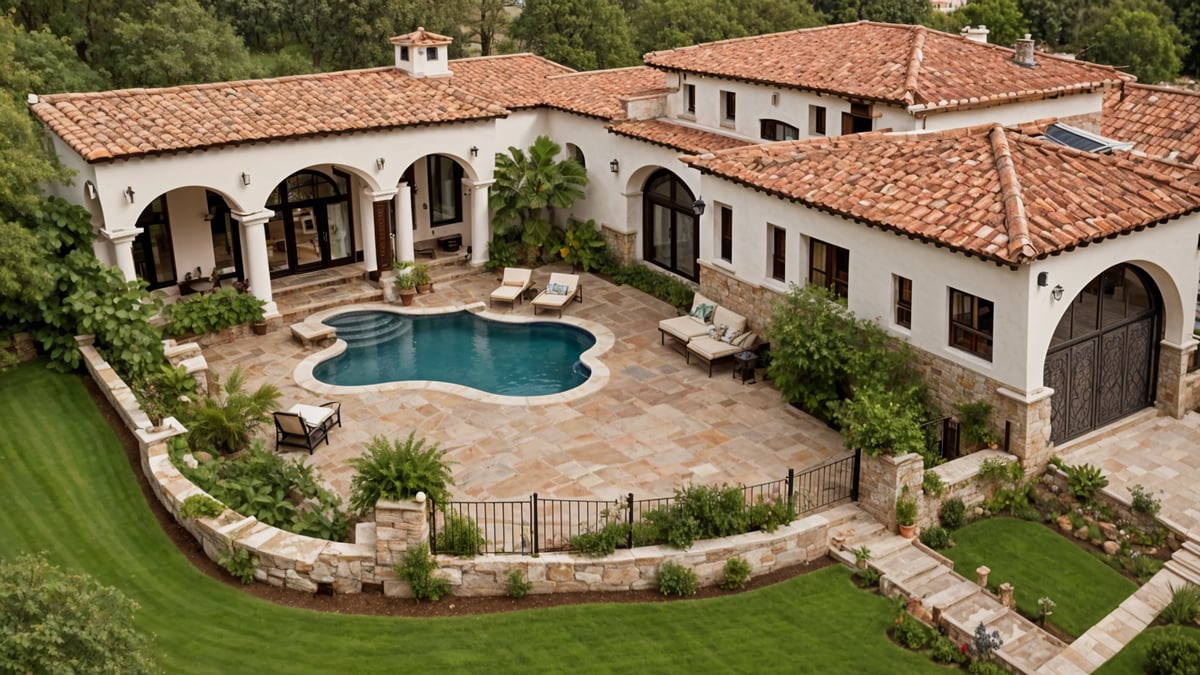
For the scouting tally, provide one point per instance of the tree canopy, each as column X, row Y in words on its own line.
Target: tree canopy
column 665, row 24
column 1002, row 17
column 580, row 34
column 1139, row 40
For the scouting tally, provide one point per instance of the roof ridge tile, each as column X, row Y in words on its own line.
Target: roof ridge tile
column 915, row 58
column 1020, row 245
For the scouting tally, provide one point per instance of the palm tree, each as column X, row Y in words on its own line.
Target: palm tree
column 225, row 422
column 529, row 186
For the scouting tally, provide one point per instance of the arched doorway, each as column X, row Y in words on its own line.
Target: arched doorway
column 311, row 228
column 1103, row 355
column 670, row 229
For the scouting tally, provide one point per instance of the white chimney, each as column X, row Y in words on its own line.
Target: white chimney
column 423, row 54
column 1023, row 53
column 976, row 34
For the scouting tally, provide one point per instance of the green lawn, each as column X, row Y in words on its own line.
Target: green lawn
column 68, row 490
column 1040, row 563
column 1132, row 659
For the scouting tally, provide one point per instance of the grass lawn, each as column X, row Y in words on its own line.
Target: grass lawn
column 1132, row 659
column 1040, row 563
column 68, row 490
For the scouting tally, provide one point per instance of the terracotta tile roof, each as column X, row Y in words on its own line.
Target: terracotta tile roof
column 600, row 93
column 985, row 191
column 421, row 37
column 514, row 81
column 897, row 64
column 676, row 136
column 135, row 122
column 1160, row 121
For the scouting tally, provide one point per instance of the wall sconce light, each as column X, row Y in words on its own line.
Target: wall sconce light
column 210, row 214
column 1043, row 279
column 614, row 166
column 129, row 193
column 245, row 178
column 379, row 162
column 698, row 207
column 89, row 189
column 474, row 150
column 1057, row 293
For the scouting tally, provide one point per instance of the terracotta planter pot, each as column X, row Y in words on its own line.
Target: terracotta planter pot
column 259, row 328
column 425, row 288
column 908, row 531
column 407, row 296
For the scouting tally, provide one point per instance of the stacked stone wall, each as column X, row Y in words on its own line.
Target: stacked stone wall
column 1175, row 395
column 885, row 478
column 752, row 302
column 960, row 477
column 623, row 245
column 22, row 347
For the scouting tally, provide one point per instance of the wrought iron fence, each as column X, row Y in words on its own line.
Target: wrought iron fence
column 542, row 524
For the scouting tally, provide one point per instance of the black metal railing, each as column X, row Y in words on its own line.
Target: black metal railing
column 542, row 524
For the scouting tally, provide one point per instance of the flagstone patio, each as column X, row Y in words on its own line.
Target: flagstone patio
column 657, row 425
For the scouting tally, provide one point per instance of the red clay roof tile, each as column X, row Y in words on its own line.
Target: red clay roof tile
column 1160, row 121
column 602, row 93
column 514, row 81
column 676, row 136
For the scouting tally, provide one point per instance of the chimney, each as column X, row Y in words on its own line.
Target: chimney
column 976, row 34
column 422, row 53
column 1023, row 53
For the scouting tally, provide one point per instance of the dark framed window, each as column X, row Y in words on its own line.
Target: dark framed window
column 728, row 106
column 445, row 191
column 431, row 53
column 689, row 98
column 153, row 252
column 829, row 266
column 726, row 220
column 903, row 302
column 576, row 154
column 971, row 324
column 670, row 228
column 816, row 120
column 778, row 253
column 774, row 130
column 859, row 120
column 404, row 54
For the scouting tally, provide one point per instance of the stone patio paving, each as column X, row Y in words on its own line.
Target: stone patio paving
column 657, row 425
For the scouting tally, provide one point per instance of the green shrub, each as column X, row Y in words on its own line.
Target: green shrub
column 1144, row 502
column 936, row 538
column 200, row 506
column 501, row 253
column 225, row 423
column 1173, row 653
column 675, row 579
column 769, row 514
column 869, row 576
column 700, row 512
column 517, row 586
column 240, row 564
column 906, row 509
column 1184, row 607
column 1077, row 519
column 994, row 470
column 932, row 484
column 1085, row 480
column 417, row 569
column 881, row 421
column 945, row 651
column 399, row 470
column 170, row 392
column 52, row 621
column 460, row 535
column 602, row 541
column 583, row 246
column 201, row 314
column 953, row 514
column 986, row 668
column 974, row 417
column 662, row 286
column 736, row 574
column 911, row 633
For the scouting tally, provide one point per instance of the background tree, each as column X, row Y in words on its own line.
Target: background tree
column 665, row 24
column 580, row 34
column 890, row 11
column 1138, row 41
column 1187, row 19
column 1002, row 17
column 487, row 20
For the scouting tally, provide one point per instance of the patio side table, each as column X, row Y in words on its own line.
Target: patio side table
column 744, row 363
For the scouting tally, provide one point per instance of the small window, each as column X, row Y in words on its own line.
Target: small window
column 816, row 120
column 728, row 106
column 903, row 302
column 726, row 221
column 431, row 53
column 971, row 324
column 859, row 120
column 775, row 98
column 576, row 154
column 689, row 98
column 774, row 130
column 778, row 253
column 404, row 54
column 829, row 266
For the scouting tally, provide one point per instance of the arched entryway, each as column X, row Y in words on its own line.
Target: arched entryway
column 670, row 229
column 1103, row 355
column 311, row 228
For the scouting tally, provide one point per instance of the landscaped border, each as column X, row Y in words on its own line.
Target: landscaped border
column 605, row 339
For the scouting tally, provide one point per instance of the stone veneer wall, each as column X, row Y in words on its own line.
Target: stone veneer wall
column 883, row 479
column 1176, row 391
column 304, row 563
column 22, row 347
column 960, row 477
column 622, row 244
column 752, row 302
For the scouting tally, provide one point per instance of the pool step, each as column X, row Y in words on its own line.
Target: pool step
column 368, row 329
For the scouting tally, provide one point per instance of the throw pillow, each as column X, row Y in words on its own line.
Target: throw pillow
column 729, row 334
column 702, row 312
column 556, row 289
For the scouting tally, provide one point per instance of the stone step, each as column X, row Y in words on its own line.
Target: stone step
column 1188, row 559
column 1184, row 572
column 1191, row 546
column 905, row 564
column 448, row 273
column 931, row 580
column 952, row 592
column 1031, row 650
column 969, row 611
column 282, row 288
column 853, row 533
column 294, row 313
column 842, row 514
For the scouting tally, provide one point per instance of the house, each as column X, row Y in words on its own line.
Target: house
column 903, row 167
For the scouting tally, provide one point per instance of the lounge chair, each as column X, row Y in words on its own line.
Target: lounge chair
column 513, row 286
column 708, row 349
column 561, row 289
column 305, row 426
column 691, row 325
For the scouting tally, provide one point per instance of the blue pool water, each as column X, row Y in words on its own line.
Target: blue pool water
column 525, row 359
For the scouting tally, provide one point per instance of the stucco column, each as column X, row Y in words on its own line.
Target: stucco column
column 1172, row 396
column 121, row 242
column 254, row 253
column 481, row 222
column 375, row 244
column 404, row 223
column 1029, row 415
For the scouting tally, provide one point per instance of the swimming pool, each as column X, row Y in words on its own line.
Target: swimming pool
column 509, row 359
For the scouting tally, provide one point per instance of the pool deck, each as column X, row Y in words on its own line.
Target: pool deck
column 656, row 425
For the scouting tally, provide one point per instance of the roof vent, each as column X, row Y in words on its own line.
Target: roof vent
column 1023, row 53
column 976, row 34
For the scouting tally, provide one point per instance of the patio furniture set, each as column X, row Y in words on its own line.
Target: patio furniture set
column 517, row 284
column 710, row 333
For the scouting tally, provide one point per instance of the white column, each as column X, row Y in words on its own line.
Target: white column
column 481, row 222
column 254, row 254
column 121, row 242
column 404, row 223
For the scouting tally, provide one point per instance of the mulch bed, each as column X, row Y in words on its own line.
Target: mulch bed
column 374, row 604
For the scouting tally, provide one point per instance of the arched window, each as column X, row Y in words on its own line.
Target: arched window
column 153, row 254
column 311, row 228
column 576, row 154
column 671, row 230
column 774, row 130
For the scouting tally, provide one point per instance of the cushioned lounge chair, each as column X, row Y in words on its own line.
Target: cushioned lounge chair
column 561, row 289
column 305, row 426
column 695, row 323
column 513, row 286
column 708, row 349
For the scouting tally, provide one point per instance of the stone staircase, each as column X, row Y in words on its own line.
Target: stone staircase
column 913, row 571
column 303, row 294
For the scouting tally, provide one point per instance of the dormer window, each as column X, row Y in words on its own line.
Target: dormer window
column 431, row 53
column 404, row 54
column 689, row 98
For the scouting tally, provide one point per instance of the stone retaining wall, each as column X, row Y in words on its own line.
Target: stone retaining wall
column 960, row 477
column 22, row 347
column 306, row 564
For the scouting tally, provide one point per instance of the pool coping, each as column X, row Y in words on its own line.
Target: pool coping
column 605, row 339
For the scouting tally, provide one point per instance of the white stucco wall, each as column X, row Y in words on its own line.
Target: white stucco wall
column 1015, row 113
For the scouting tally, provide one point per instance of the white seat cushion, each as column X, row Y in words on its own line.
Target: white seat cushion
column 683, row 328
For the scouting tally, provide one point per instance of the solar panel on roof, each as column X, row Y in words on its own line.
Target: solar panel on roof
column 1079, row 139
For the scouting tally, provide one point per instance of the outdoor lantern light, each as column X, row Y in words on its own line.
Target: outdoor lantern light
column 698, row 206
column 1043, row 279
column 474, row 150
column 245, row 178
column 129, row 193
column 89, row 189
column 379, row 162
column 1057, row 292
column 614, row 166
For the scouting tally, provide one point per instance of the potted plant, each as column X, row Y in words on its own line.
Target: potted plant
column 421, row 278
column 406, row 282
column 906, row 514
